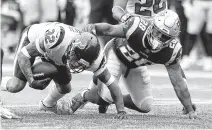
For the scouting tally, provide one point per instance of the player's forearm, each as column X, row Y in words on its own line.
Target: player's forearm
column 118, row 13
column 119, row 9
column 25, row 66
column 183, row 94
column 112, row 85
column 109, row 30
column 179, row 83
column 117, row 96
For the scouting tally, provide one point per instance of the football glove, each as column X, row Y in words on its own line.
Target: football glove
column 40, row 84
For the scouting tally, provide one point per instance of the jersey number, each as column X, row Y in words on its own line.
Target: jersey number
column 132, row 56
column 158, row 5
column 50, row 39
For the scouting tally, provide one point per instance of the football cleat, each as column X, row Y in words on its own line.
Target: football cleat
column 55, row 109
column 77, row 102
column 7, row 114
column 103, row 109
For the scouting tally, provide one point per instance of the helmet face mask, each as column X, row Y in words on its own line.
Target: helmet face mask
column 75, row 64
column 157, row 39
column 82, row 52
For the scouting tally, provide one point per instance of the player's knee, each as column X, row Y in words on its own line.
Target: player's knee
column 146, row 105
column 15, row 85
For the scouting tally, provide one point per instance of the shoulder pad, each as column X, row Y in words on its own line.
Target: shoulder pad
column 54, row 36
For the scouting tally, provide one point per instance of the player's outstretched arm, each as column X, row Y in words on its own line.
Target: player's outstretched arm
column 179, row 83
column 105, row 29
column 105, row 77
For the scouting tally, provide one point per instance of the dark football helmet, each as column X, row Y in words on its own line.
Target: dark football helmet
column 82, row 52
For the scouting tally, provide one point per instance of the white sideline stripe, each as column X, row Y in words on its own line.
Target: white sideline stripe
column 156, row 73
column 160, row 102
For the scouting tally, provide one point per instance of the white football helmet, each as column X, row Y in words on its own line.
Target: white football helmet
column 166, row 26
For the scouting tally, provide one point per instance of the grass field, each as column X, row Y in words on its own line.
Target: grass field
column 166, row 112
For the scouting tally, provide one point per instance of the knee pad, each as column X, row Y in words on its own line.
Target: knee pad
column 146, row 76
column 146, row 105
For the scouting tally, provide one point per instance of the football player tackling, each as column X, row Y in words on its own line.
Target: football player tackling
column 147, row 43
column 66, row 49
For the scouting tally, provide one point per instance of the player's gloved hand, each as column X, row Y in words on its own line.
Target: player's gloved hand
column 192, row 115
column 121, row 115
column 186, row 112
column 90, row 28
column 40, row 84
column 125, row 17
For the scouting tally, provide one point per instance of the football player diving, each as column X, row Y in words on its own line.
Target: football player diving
column 146, row 43
column 68, row 50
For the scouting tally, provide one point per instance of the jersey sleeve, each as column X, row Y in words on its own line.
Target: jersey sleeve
column 99, row 65
column 130, row 26
column 39, row 42
column 176, row 54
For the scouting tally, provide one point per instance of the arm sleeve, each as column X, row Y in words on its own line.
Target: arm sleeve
column 130, row 26
column 40, row 45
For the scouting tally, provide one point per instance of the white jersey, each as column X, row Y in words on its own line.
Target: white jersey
column 54, row 47
column 55, row 50
column 146, row 8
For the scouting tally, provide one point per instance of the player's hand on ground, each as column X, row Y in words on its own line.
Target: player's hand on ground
column 192, row 115
column 7, row 114
column 90, row 28
column 121, row 115
column 186, row 112
column 40, row 84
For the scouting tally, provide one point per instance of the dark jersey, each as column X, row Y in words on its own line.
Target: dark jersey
column 133, row 52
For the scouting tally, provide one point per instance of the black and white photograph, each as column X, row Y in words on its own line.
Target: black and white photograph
column 106, row 64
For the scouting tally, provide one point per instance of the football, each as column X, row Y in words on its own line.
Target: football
column 42, row 70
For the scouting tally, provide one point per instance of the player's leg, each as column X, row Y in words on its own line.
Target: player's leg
column 98, row 93
column 195, row 24
column 18, row 81
column 140, row 90
column 207, row 62
column 62, row 86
